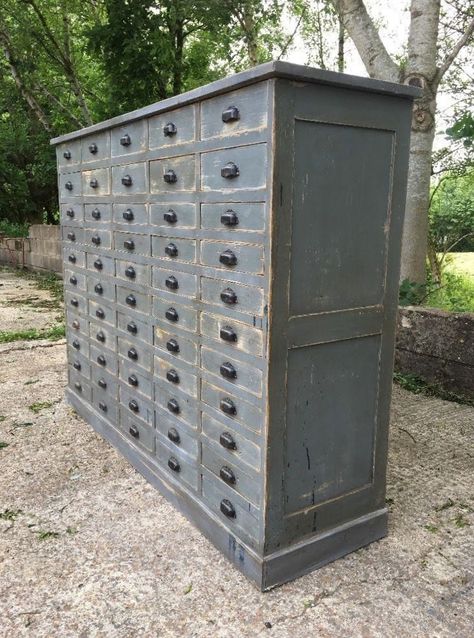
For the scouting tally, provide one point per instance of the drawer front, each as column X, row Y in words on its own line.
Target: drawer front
column 72, row 257
column 181, row 406
column 100, row 289
column 100, row 265
column 176, row 346
column 184, row 381
column 244, row 452
column 251, row 163
column 136, row 406
column 246, row 376
column 75, row 302
column 97, row 213
column 72, row 214
column 244, row 483
column 104, row 359
column 130, row 214
column 96, row 147
column 232, row 407
column 173, row 215
column 96, row 182
column 79, row 385
column 243, row 337
column 72, row 236
column 74, row 280
column 182, row 127
column 133, row 300
column 129, row 179
column 78, row 363
column 77, row 325
column 251, row 104
column 104, row 385
column 184, row 466
column 233, row 256
column 142, row 435
column 133, row 327
column 177, row 434
column 96, row 237
column 173, row 249
column 130, row 271
column 173, row 174
column 68, row 154
column 138, row 354
column 173, row 314
column 233, row 217
column 102, row 336
column 70, row 185
column 130, row 138
column 247, row 299
column 107, row 407
column 179, row 283
column 79, row 343
column 102, row 313
column 135, row 378
column 132, row 243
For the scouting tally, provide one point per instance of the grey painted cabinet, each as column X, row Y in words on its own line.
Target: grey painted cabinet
column 231, row 273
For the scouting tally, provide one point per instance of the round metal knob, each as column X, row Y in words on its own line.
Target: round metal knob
column 100, row 336
column 130, row 272
column 127, row 180
column 173, row 435
column 229, row 218
column 125, row 140
column 228, row 258
column 170, row 217
column 227, row 508
column 173, row 406
column 228, row 371
column 98, row 264
column 93, row 183
column 172, row 376
column 67, row 155
column 93, row 148
column 132, row 328
column 132, row 354
column 227, row 475
column 171, row 250
column 95, row 239
column 70, row 213
column 171, row 282
column 133, row 405
column 231, row 114
column 132, row 379
column 228, row 407
column 173, row 464
column 169, row 129
column 230, row 171
column 228, row 296
column 171, row 314
column 172, row 345
column 128, row 215
column 99, row 289
column 170, row 177
column 100, row 313
column 227, row 440
column 228, row 334
column 96, row 213
column 68, row 186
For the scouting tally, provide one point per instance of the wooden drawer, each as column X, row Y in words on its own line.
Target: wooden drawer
column 100, row 288
column 229, row 370
column 172, row 375
column 74, row 280
column 68, row 155
column 172, row 175
column 132, row 300
column 180, row 405
column 232, row 407
column 128, row 270
column 133, row 327
column 183, row 129
column 173, row 314
column 105, row 405
column 136, row 378
column 101, row 312
column 233, row 217
column 176, row 346
column 136, row 431
column 79, row 384
column 130, row 138
column 129, row 179
column 79, row 343
column 132, row 243
column 100, row 265
column 177, row 283
column 130, row 214
column 104, row 385
column 73, row 257
column 72, row 235
column 97, row 213
column 102, row 336
column 136, row 406
column 173, row 215
column 72, row 214
column 233, row 256
column 70, row 185
column 97, row 237
column 184, row 466
column 95, row 147
column 74, row 302
column 105, row 359
column 96, row 183
column 243, row 337
column 247, row 299
column 221, row 437
column 138, row 353
column 173, row 249
column 178, row 435
column 250, row 163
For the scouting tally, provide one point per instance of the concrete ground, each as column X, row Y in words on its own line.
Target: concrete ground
column 88, row 548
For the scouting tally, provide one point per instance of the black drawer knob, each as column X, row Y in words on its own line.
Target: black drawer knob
column 73, row 280
column 78, row 386
column 93, row 148
column 230, row 170
column 228, row 371
column 99, row 289
column 134, row 431
column 133, row 405
column 67, row 155
column 72, row 259
column 130, row 300
column 171, row 282
column 173, row 406
column 227, row 508
column 172, row 376
column 96, row 213
column 227, row 475
column 94, row 183
column 228, row 296
column 169, row 129
column 227, row 440
column 129, row 244
column 127, row 180
column 128, row 215
column 171, row 314
column 228, row 258
column 100, row 313
column 130, row 272
column 76, row 344
column 132, row 379
column 132, row 328
column 98, row 264
column 71, row 236
column 173, row 464
column 68, row 186
column 172, row 345
column 102, row 383
column 95, row 239
column 75, row 324
column 173, row 435
column 170, row 217
column 170, row 177
column 132, row 354
column 74, row 302
column 125, row 140
column 228, row 334
column 229, row 218
column 100, row 336
column 77, row 365
column 231, row 114
column 102, row 406
column 228, row 406
column 70, row 213
column 171, row 250
column 101, row 360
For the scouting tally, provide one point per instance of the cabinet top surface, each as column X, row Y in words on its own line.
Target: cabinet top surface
column 269, row 70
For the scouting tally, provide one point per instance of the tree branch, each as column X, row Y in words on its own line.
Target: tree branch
column 449, row 59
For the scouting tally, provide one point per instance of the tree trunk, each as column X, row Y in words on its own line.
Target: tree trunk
column 340, row 47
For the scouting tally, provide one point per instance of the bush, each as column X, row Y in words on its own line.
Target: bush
column 455, row 294
column 13, row 229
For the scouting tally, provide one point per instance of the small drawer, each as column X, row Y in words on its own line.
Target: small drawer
column 135, row 378
column 107, row 407
column 230, row 444
column 233, row 217
column 96, row 147
column 244, row 483
column 100, row 289
column 103, row 384
column 142, row 435
column 102, row 336
column 176, row 346
column 179, row 283
column 177, row 434
column 79, row 385
column 180, row 405
column 102, row 313
column 100, row 265
column 233, row 256
column 174, row 249
column 173, row 174
column 73, row 257
column 132, row 243
column 129, row 271
column 75, row 302
column 244, row 167
column 174, row 314
column 235, row 372
column 96, row 237
column 96, row 183
column 172, row 128
column 232, row 407
column 228, row 294
column 233, row 333
column 72, row 214
column 133, row 327
column 72, row 235
column 136, row 406
column 77, row 325
column 133, row 300
column 129, row 179
column 79, row 343
column 173, row 215
column 131, row 138
column 97, row 213
column 130, row 214
column 104, row 359
column 138, row 354
column 174, row 376
column 78, row 363
column 74, row 280
column 235, row 112
column 68, row 154
column 177, row 463
column 70, row 185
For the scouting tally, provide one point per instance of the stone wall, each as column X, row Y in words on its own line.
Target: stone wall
column 437, row 347
column 41, row 250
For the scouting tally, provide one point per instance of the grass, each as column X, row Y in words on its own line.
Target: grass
column 10, row 515
column 41, row 405
column 456, row 294
column 414, row 384
column 45, row 535
column 13, row 229
column 31, row 334
column 3, row 444
column 462, row 263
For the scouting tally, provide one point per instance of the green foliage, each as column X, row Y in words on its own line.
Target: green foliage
column 463, row 129
column 411, row 293
column 415, row 384
column 31, row 334
column 451, row 213
column 13, row 228
column 456, row 293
